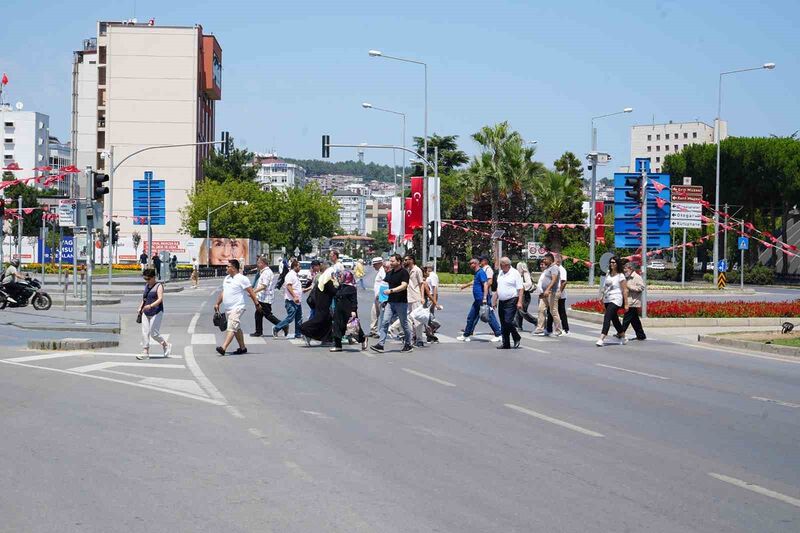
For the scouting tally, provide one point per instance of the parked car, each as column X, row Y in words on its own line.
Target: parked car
column 347, row 262
column 305, row 274
column 657, row 264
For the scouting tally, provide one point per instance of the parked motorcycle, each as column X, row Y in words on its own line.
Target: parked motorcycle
column 28, row 291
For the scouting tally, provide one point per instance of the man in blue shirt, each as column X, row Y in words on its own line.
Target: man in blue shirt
column 480, row 295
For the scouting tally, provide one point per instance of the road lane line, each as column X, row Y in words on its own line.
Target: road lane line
column 197, row 372
column 124, row 354
column 208, row 339
column 632, row 371
column 193, row 324
column 234, row 411
column 111, row 364
column 533, row 349
column 43, row 356
column 431, row 378
column 733, row 351
column 112, row 380
column 757, row 489
column 555, row 421
column 779, row 402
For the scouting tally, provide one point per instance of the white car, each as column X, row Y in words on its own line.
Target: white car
column 347, row 262
column 657, row 264
column 305, row 273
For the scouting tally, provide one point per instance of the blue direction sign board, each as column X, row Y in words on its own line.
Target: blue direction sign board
column 150, row 193
column 744, row 243
column 627, row 217
column 722, row 265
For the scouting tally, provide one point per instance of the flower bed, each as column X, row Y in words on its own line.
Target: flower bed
column 705, row 309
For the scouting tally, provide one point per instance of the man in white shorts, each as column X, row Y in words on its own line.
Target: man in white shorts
column 234, row 287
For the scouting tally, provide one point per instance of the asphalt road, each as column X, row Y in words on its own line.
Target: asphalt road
column 663, row 436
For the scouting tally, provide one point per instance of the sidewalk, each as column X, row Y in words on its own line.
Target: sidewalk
column 58, row 320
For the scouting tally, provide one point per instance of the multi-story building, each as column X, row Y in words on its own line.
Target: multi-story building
column 275, row 173
column 352, row 212
column 140, row 85
column 656, row 141
column 377, row 212
column 26, row 140
column 60, row 156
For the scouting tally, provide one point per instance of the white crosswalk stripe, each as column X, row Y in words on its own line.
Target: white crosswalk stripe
column 204, row 338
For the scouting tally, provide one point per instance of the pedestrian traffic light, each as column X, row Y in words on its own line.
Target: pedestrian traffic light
column 326, row 146
column 635, row 183
column 100, row 190
column 113, row 231
column 227, row 143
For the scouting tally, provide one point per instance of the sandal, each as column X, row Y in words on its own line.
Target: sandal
column 240, row 351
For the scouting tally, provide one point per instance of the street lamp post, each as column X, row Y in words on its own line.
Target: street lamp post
column 378, row 53
column 717, row 132
column 208, row 225
column 593, row 190
column 367, row 105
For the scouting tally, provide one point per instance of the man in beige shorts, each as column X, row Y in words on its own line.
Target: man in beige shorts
column 234, row 287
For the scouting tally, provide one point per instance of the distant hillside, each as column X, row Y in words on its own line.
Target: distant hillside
column 315, row 167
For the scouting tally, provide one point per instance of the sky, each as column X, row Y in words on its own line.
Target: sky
column 294, row 70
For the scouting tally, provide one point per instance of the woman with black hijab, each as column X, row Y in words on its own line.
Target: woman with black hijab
column 319, row 327
column 346, row 309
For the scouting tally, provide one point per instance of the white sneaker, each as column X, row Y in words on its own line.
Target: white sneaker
column 496, row 339
column 463, row 338
column 539, row 334
column 143, row 355
column 623, row 340
column 599, row 343
column 558, row 333
column 565, row 332
column 167, row 350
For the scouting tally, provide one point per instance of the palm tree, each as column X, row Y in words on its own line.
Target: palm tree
column 504, row 164
column 558, row 196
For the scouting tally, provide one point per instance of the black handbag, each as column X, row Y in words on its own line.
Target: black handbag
column 220, row 320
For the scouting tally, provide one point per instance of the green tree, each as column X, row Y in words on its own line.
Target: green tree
column 381, row 243
column 559, row 198
column 234, row 220
column 30, row 198
column 316, row 167
column 450, row 157
column 238, row 166
column 570, row 165
column 300, row 215
column 136, row 238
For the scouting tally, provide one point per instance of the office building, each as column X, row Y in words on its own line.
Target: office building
column 352, row 212
column 140, row 85
column 26, row 140
column 656, row 141
column 275, row 173
column 377, row 213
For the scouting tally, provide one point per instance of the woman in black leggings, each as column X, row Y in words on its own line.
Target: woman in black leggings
column 614, row 291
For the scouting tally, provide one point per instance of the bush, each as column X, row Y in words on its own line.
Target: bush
column 575, row 271
column 704, row 309
column 758, row 275
column 446, row 278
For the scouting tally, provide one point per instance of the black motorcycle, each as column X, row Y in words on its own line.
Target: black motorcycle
column 28, row 291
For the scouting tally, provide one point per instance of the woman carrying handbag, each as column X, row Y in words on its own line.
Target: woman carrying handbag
column 345, row 316
column 151, row 311
column 614, row 297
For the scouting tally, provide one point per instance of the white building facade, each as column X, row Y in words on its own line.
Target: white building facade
column 656, row 141
column 352, row 212
column 275, row 173
column 26, row 141
column 141, row 85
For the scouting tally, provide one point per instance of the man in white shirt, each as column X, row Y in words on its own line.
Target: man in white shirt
column 234, row 287
column 292, row 291
column 265, row 290
column 561, row 294
column 508, row 299
column 377, row 309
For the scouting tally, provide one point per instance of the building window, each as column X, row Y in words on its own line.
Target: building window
column 666, row 136
column 649, row 148
column 658, row 159
column 694, row 135
column 658, row 137
column 666, row 148
column 685, row 135
column 658, row 148
column 649, row 137
column 676, row 148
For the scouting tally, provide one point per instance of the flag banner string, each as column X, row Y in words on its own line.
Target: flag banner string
column 536, row 225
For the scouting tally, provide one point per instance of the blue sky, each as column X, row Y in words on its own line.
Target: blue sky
column 295, row 70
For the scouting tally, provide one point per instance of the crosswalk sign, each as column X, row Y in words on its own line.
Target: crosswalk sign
column 744, row 243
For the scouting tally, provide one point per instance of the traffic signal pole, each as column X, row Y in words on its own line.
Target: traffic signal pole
column 89, row 241
column 644, row 242
column 110, row 165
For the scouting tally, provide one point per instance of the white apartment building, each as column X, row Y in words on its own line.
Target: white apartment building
column 657, row 141
column 60, row 155
column 352, row 212
column 140, row 85
column 26, row 139
column 275, row 173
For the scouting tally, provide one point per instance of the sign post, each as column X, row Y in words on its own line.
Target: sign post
column 686, row 213
column 536, row 250
column 744, row 244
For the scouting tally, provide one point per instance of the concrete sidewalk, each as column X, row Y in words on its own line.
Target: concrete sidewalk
column 59, row 320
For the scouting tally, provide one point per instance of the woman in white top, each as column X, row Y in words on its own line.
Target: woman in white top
column 614, row 294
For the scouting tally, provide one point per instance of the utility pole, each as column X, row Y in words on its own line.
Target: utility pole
column 725, row 239
column 110, row 166
column 20, row 223
column 89, row 241
column 644, row 241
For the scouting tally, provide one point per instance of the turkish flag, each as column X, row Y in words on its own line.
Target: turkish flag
column 417, row 186
column 71, row 169
column 599, row 221
column 12, row 166
column 660, row 202
column 658, row 186
column 409, row 216
column 4, row 81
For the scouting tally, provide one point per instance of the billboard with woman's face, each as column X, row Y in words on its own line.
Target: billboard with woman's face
column 220, row 250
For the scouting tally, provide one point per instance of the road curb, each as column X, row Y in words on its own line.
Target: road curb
column 776, row 349
column 71, row 344
column 82, row 303
column 597, row 318
column 76, row 328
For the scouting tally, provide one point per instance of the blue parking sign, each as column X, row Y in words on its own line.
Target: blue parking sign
column 744, row 243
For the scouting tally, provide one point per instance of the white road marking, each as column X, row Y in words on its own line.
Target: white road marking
column 757, row 489
column 124, row 354
column 112, row 380
column 193, row 324
column 445, row 339
column 533, row 349
column 555, row 421
column 317, row 414
column 185, row 385
column 298, row 471
column 204, row 338
column 258, row 434
column 631, row 371
column 731, row 351
column 112, row 364
column 234, row 411
column 779, row 402
column 41, row 357
column 431, row 378
column 194, row 368
column 579, row 336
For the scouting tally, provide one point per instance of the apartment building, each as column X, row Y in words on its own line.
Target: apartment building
column 352, row 211
column 140, row 85
column 656, row 141
column 275, row 173
column 26, row 140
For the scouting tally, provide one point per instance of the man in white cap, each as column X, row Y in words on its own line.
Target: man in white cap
column 377, row 308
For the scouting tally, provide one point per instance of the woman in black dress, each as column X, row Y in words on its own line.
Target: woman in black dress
column 319, row 327
column 346, row 308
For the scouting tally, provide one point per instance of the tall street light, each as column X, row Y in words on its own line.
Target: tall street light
column 765, row 66
column 367, row 105
column 593, row 187
column 208, row 225
column 378, row 53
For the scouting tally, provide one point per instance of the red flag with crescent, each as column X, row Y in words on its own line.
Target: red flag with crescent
column 417, row 186
column 409, row 216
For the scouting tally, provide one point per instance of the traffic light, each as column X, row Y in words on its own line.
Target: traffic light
column 635, row 194
column 227, row 143
column 100, row 190
column 2, row 209
column 326, row 146
column 113, row 231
